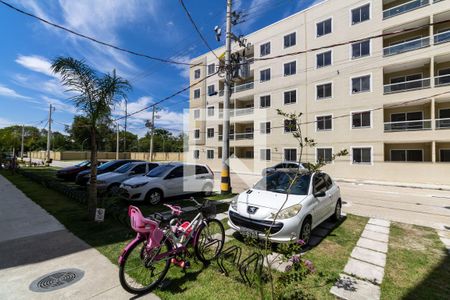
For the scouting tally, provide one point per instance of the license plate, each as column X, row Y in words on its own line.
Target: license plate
column 252, row 234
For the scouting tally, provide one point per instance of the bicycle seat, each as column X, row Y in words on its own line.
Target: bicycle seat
column 162, row 217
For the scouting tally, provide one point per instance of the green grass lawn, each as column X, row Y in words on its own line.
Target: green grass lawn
column 418, row 265
column 329, row 257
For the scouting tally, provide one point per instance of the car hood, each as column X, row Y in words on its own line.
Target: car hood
column 109, row 176
column 266, row 202
column 70, row 169
column 138, row 180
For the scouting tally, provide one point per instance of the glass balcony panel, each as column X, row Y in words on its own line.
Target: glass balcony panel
column 442, row 37
column 443, row 123
column 244, row 111
column 407, row 46
column 407, row 86
column 407, row 125
column 404, row 8
column 244, row 136
column 442, row 80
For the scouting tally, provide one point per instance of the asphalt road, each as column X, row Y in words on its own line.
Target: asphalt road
column 425, row 207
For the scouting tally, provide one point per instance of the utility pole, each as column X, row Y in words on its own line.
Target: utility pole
column 152, row 132
column 49, row 132
column 117, row 141
column 21, row 147
column 225, row 185
column 125, row 127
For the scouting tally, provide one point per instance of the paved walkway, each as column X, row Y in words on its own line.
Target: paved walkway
column 364, row 271
column 33, row 244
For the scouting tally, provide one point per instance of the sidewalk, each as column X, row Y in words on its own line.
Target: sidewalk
column 34, row 244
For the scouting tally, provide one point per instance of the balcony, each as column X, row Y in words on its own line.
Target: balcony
column 442, row 37
column 239, row 136
column 239, row 88
column 407, row 46
column 443, row 123
column 405, row 86
column 442, row 80
column 404, row 8
column 415, row 125
column 238, row 112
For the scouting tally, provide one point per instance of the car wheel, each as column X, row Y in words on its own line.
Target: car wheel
column 154, row 197
column 337, row 211
column 207, row 189
column 305, row 232
column 113, row 189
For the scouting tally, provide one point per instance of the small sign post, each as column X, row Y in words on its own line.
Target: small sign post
column 99, row 215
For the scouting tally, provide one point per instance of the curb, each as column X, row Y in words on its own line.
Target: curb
column 403, row 185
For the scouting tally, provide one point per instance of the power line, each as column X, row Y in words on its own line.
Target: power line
column 197, row 29
column 96, row 40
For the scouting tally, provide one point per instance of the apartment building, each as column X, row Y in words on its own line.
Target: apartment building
column 385, row 99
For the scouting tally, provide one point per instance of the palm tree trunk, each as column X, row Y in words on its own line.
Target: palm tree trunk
column 92, row 202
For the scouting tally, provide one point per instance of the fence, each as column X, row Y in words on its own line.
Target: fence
column 84, row 155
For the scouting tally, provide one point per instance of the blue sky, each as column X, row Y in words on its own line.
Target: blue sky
column 154, row 27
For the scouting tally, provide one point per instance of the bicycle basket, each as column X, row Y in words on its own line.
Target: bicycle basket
column 209, row 210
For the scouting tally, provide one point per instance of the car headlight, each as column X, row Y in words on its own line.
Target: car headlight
column 288, row 213
column 138, row 185
column 234, row 203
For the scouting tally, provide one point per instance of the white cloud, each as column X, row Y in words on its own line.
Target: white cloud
column 5, row 91
column 36, row 63
column 60, row 105
column 184, row 69
column 5, row 122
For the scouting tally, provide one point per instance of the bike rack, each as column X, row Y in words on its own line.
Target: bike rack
column 210, row 244
column 252, row 262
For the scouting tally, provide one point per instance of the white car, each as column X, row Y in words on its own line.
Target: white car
column 111, row 181
column 314, row 197
column 168, row 180
column 286, row 165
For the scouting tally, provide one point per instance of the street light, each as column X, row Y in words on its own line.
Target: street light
column 83, row 144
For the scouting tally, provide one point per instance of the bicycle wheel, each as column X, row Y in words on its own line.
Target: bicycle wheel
column 139, row 273
column 209, row 240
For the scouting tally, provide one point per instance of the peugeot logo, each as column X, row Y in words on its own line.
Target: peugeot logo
column 252, row 209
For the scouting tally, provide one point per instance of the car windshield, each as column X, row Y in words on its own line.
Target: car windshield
column 125, row 168
column 107, row 165
column 83, row 164
column 160, row 171
column 279, row 182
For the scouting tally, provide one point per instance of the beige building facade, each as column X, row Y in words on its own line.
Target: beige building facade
column 386, row 100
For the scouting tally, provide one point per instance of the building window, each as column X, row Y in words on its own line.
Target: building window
column 196, row 154
column 210, row 133
column 264, row 75
column 324, row 123
column 210, row 111
column 361, row 49
column 211, row 68
column 324, row 155
column 362, row 155
column 361, row 119
column 444, row 155
column 324, row 91
column 323, row 27
column 290, row 126
column 407, row 155
column 196, row 93
column 290, row 68
column 324, row 59
column 212, row 90
column 290, row 97
column 264, row 49
column 361, row 84
column 265, row 128
column 197, row 74
column 289, row 40
column 197, row 134
column 264, row 101
column 196, row 113
column 290, row 154
column 361, row 14
column 210, row 154
column 264, row 154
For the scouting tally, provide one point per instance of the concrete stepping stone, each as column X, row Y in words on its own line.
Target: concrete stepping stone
column 380, row 222
column 376, row 236
column 230, row 231
column 364, row 270
column 376, row 228
column 348, row 287
column 372, row 245
column 276, row 262
column 221, row 216
column 370, row 256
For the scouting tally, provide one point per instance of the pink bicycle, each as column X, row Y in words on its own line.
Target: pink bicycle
column 162, row 241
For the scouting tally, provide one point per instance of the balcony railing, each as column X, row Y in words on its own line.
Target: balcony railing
column 443, row 123
column 239, row 136
column 407, row 46
column 238, row 88
column 442, row 37
column 407, row 125
column 404, row 8
column 407, row 86
column 244, row 111
column 442, row 80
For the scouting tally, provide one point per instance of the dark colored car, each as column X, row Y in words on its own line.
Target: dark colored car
column 83, row 177
column 70, row 173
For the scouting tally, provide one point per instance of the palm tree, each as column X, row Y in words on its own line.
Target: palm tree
column 95, row 95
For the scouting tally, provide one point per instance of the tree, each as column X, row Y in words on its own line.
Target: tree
column 94, row 95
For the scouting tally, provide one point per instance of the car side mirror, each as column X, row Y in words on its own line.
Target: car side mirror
column 319, row 194
column 132, row 173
